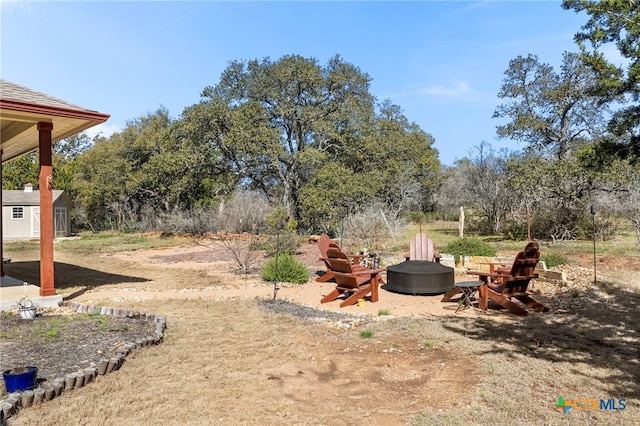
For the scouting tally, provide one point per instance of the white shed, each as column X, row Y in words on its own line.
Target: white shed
column 21, row 214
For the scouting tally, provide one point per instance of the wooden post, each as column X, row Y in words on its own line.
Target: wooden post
column 484, row 299
column 69, row 381
column 26, row 398
column 49, row 392
column 103, row 366
column 79, row 379
column 1, row 231
column 58, row 386
column 38, row 396
column 461, row 223
column 47, row 286
column 7, row 409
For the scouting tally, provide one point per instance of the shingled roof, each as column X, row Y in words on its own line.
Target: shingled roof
column 21, row 109
column 16, row 92
column 22, row 198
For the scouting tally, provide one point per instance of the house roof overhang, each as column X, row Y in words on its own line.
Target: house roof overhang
column 21, row 109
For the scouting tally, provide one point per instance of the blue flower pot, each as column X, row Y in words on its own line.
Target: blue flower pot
column 16, row 382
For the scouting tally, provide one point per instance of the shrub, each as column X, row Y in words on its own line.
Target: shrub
column 553, row 259
column 366, row 334
column 289, row 243
column 290, row 270
column 245, row 212
column 242, row 252
column 373, row 227
column 469, row 246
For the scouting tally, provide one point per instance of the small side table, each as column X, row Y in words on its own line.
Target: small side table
column 469, row 291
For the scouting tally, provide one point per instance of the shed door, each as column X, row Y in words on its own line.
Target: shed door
column 35, row 222
column 60, row 222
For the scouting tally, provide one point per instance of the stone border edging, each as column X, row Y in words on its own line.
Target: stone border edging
column 17, row 400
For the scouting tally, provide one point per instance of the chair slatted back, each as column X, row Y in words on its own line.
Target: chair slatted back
column 524, row 266
column 339, row 262
column 421, row 248
column 526, row 261
column 323, row 244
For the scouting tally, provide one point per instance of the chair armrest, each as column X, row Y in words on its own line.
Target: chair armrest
column 356, row 258
column 505, row 277
column 360, row 272
column 354, row 265
column 368, row 271
column 488, row 274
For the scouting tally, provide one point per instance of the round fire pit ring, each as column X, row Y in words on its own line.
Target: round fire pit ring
column 419, row 277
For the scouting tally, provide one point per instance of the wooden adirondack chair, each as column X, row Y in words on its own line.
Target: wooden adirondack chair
column 508, row 280
column 356, row 281
column 532, row 251
column 505, row 287
column 421, row 248
column 324, row 244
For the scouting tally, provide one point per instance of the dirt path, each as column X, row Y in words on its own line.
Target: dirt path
column 170, row 264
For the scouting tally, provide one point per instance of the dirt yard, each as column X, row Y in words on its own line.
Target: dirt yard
column 232, row 357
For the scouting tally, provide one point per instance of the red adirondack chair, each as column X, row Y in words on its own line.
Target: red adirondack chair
column 324, row 244
column 505, row 287
column 356, row 281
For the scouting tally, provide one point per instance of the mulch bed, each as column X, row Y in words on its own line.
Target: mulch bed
column 46, row 340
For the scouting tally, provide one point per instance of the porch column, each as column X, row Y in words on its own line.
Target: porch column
column 1, row 223
column 47, row 286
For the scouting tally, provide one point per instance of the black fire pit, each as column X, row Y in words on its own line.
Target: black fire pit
column 419, row 277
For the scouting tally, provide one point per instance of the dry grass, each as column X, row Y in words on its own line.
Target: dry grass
column 231, row 362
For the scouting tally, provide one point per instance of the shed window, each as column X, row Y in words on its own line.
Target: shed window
column 17, row 212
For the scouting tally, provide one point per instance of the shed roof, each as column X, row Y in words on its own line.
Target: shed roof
column 23, row 198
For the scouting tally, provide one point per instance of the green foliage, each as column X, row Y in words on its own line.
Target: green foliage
column 273, row 116
column 366, row 334
column 395, row 159
column 153, row 167
column 469, row 246
column 614, row 23
column 288, row 242
column 98, row 317
column 549, row 111
column 383, row 312
column 280, row 221
column 19, row 171
column 50, row 329
column 282, row 237
column 290, row 270
column 326, row 198
column 303, row 135
column 515, row 231
column 553, row 259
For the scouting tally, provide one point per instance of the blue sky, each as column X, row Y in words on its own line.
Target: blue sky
column 442, row 62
